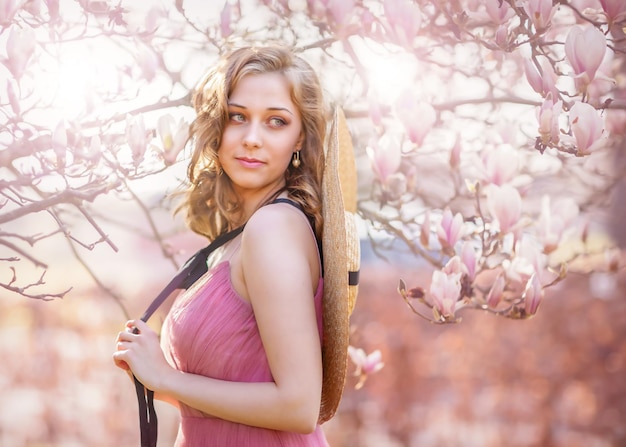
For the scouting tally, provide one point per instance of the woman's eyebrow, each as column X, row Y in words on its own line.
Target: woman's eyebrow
column 284, row 109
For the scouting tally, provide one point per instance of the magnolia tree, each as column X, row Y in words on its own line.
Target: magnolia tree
column 484, row 130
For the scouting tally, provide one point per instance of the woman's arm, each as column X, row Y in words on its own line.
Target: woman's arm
column 277, row 255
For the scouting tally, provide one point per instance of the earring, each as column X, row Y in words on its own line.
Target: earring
column 295, row 161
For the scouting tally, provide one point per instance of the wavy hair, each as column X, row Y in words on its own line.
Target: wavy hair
column 211, row 205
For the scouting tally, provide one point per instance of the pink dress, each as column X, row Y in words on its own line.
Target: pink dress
column 212, row 331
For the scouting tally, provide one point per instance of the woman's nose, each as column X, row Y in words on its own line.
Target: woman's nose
column 252, row 137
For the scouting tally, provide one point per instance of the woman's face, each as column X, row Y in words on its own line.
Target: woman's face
column 262, row 133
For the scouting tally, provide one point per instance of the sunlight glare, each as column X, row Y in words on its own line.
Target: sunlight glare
column 81, row 79
column 389, row 74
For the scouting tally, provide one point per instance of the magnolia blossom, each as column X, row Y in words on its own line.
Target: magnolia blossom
column 450, row 229
column 366, row 364
column 548, row 118
column 395, row 185
column 587, row 127
column 59, row 143
column 505, row 205
column 542, row 79
column 499, row 12
column 20, row 47
column 454, row 265
column 540, row 12
column 225, row 20
column 385, row 157
column 137, row 137
column 405, row 19
column 554, row 220
column 468, row 256
column 518, row 270
column 8, row 8
column 13, row 98
column 502, row 37
column 445, row 290
column 94, row 150
column 532, row 295
column 500, row 165
column 341, row 11
column 531, row 250
column 585, row 50
column 417, row 117
column 497, row 291
column 148, row 62
column 173, row 137
column 615, row 10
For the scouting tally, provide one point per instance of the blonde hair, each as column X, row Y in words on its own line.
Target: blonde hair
column 211, row 205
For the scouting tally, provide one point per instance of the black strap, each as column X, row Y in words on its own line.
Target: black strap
column 190, row 272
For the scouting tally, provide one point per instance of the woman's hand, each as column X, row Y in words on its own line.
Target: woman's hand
column 139, row 351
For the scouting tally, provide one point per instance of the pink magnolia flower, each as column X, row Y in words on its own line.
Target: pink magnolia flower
column 225, row 20
column 548, row 118
column 540, row 12
column 499, row 12
column 554, row 220
column 585, row 51
column 532, row 295
column 502, row 37
column 450, row 229
column 59, row 144
column 497, row 291
column 528, row 250
column 173, row 137
column 13, row 98
column 500, row 165
column 468, row 256
column 505, row 205
column 20, row 47
column 385, row 157
column 137, row 137
column 417, row 117
column 454, row 265
column 445, row 291
column 405, row 19
column 543, row 79
column 94, row 151
column 341, row 10
column 615, row 10
column 366, row 364
column 587, row 127
column 518, row 270
column 8, row 8
column 148, row 62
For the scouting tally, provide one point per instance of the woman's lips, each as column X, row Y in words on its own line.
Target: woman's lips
column 250, row 162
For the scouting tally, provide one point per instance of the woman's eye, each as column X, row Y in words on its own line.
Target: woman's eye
column 237, row 117
column 277, row 122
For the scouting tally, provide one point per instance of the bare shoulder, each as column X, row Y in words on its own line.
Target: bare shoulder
column 278, row 222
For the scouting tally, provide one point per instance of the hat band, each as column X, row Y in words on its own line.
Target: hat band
column 353, row 278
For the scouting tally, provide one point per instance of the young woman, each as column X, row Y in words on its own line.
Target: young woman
column 240, row 352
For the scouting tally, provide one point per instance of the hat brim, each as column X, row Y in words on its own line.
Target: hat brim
column 340, row 246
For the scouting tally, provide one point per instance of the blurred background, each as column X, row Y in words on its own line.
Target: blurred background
column 554, row 380
column 489, row 138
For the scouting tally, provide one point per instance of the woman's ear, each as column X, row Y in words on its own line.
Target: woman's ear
column 300, row 141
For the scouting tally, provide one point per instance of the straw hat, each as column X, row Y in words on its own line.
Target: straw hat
column 341, row 251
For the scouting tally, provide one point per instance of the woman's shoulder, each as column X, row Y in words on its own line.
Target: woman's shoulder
column 277, row 216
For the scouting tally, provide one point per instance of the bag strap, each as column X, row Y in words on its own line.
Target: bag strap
column 189, row 273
